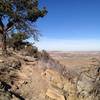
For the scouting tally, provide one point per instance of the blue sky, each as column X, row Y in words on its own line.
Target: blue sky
column 70, row 25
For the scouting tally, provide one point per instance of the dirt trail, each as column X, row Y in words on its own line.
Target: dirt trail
column 31, row 84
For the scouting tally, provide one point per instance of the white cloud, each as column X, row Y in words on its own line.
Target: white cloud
column 69, row 45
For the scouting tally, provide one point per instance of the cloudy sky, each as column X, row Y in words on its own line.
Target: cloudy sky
column 70, row 25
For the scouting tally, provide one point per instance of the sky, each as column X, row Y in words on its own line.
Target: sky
column 70, row 25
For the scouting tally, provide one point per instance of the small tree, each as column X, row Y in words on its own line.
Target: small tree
column 19, row 15
column 17, row 40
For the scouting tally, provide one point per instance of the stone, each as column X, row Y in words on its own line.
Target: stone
column 52, row 76
column 60, row 85
column 55, row 95
column 29, row 59
column 88, row 84
column 1, row 61
column 16, row 64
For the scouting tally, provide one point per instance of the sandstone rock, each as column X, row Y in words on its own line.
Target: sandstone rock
column 60, row 85
column 54, row 94
column 16, row 64
column 68, row 86
column 30, row 59
column 88, row 85
column 1, row 61
column 32, row 63
column 52, row 76
column 71, row 90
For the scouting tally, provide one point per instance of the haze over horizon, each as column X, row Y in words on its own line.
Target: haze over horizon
column 70, row 25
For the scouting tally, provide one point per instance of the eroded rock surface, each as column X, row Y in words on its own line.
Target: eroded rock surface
column 38, row 80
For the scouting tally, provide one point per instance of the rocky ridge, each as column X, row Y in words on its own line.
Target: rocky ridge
column 27, row 78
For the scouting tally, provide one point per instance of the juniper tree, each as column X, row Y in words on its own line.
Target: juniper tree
column 19, row 15
column 17, row 40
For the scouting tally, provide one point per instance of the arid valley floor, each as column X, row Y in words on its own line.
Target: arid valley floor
column 76, row 60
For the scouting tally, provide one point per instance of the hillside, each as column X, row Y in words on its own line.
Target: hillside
column 27, row 78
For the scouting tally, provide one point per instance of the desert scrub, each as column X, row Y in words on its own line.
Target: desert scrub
column 32, row 51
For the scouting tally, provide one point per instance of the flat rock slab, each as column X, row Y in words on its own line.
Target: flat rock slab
column 55, row 95
column 30, row 59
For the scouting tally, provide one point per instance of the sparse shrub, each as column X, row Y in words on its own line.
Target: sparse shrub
column 32, row 51
column 45, row 55
column 16, row 41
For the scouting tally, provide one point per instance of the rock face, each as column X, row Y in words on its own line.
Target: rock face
column 8, row 74
column 88, row 86
column 8, row 69
column 85, row 87
column 59, row 87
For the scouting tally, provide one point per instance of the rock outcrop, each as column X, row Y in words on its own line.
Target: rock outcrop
column 59, row 86
column 88, row 84
column 33, row 79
